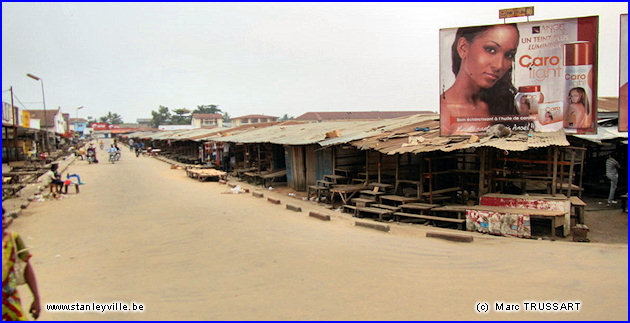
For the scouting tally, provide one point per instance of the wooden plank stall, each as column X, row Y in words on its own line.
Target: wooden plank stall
column 556, row 209
column 345, row 192
column 205, row 174
column 509, row 220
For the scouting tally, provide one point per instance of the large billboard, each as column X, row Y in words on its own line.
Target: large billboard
column 539, row 75
column 623, row 73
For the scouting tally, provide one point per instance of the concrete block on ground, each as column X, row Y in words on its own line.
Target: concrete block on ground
column 323, row 217
column 231, row 185
column 272, row 200
column 256, row 194
column 294, row 208
column 380, row 227
column 450, row 236
column 222, row 181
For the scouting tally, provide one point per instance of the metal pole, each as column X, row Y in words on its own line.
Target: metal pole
column 45, row 130
column 15, row 117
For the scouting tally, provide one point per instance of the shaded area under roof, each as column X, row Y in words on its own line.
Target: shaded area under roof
column 603, row 133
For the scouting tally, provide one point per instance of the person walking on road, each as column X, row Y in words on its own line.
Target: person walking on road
column 12, row 248
column 613, row 175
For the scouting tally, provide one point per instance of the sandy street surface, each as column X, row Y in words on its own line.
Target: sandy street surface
column 142, row 232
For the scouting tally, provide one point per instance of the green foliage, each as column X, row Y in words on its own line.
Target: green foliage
column 162, row 116
column 207, row 109
column 286, row 117
column 226, row 117
column 110, row 118
column 181, row 116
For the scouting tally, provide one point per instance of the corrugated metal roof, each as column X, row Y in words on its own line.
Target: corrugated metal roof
column 296, row 134
column 375, row 128
column 411, row 134
column 603, row 133
column 410, row 140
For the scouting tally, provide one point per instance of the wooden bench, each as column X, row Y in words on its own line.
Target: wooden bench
column 351, row 208
column 271, row 176
column 458, row 210
column 362, row 202
column 459, row 222
column 419, row 206
column 383, row 187
column 318, row 191
column 577, row 208
column 432, row 193
column 204, row 174
column 371, row 193
column 397, row 200
column 345, row 191
column 387, row 207
column 373, row 210
column 337, row 179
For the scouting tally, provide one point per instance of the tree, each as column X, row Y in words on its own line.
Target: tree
column 90, row 121
column 182, row 116
column 226, row 117
column 111, row 118
column 286, row 117
column 207, row 109
column 162, row 116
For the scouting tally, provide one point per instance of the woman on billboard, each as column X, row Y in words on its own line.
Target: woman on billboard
column 482, row 58
column 578, row 113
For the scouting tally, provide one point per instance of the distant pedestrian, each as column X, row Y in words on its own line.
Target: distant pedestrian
column 613, row 175
column 130, row 144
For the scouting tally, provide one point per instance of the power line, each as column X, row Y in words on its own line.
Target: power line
column 23, row 105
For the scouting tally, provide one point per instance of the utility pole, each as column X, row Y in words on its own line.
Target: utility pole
column 14, row 113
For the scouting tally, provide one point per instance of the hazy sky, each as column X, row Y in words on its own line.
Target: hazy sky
column 250, row 58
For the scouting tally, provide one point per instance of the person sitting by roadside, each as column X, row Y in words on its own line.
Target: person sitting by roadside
column 56, row 184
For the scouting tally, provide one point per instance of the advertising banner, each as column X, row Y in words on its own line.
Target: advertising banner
column 623, row 73
column 99, row 126
column 537, row 75
column 26, row 119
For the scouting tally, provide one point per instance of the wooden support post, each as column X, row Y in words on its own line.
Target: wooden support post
column 430, row 181
column 259, row 168
column 561, row 158
column 397, row 166
column 581, row 172
column 334, row 159
column 367, row 167
column 482, row 171
column 380, row 159
column 421, row 186
column 555, row 171
column 571, row 171
column 549, row 166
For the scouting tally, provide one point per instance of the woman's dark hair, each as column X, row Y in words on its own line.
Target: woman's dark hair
column 500, row 97
column 584, row 99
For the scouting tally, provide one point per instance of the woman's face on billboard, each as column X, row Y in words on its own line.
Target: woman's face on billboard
column 489, row 56
column 575, row 96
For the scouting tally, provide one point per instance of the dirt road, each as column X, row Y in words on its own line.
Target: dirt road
column 141, row 232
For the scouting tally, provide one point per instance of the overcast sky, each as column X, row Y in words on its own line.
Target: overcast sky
column 250, row 58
